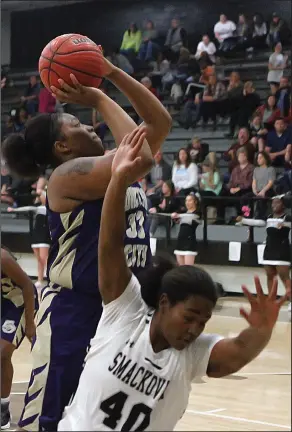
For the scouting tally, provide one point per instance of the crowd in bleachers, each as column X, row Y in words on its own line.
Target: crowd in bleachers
column 187, row 79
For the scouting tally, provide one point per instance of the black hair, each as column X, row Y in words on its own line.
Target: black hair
column 266, row 156
column 171, row 187
column 267, row 104
column 27, row 154
column 134, row 26
column 177, row 282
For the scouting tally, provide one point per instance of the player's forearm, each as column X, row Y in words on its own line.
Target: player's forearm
column 250, row 343
column 29, row 303
column 148, row 107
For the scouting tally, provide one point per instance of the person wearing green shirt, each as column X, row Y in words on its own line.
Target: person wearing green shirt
column 131, row 40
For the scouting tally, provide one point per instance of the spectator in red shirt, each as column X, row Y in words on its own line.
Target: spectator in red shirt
column 47, row 103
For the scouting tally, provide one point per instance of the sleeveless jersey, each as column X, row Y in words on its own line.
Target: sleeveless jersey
column 11, row 294
column 125, row 385
column 73, row 257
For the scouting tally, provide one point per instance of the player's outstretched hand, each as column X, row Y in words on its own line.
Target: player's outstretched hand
column 76, row 93
column 264, row 310
column 126, row 163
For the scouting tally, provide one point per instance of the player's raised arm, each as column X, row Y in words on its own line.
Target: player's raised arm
column 113, row 272
column 230, row 355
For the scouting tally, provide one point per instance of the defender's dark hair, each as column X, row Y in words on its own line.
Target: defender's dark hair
column 27, row 154
column 178, row 283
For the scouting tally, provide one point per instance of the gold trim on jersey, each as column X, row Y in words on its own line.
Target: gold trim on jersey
column 41, row 353
column 11, row 292
column 61, row 268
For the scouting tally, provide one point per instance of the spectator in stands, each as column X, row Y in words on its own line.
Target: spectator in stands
column 148, row 47
column 288, row 157
column 283, row 97
column 243, row 141
column 243, row 32
column 210, row 183
column 131, row 41
column 224, row 29
column 263, row 120
column 264, row 176
column 160, row 173
column 189, row 113
column 168, row 203
column 214, row 92
column 277, row 64
column 260, row 30
column 175, row 39
column 121, row 61
column 206, row 46
column 15, row 122
column 244, row 107
column 279, row 142
column 234, row 91
column 184, row 173
column 6, row 181
column 30, row 99
column 240, row 183
column 146, row 81
column 276, row 30
column 47, row 103
column 197, row 150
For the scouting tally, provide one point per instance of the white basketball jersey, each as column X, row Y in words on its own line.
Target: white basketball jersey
column 125, row 386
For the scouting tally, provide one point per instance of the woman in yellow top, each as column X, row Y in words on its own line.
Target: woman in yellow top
column 131, row 40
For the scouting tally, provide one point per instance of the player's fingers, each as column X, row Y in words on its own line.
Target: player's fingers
column 79, row 87
column 244, row 314
column 248, row 294
column 124, row 140
column 131, row 136
column 65, row 87
column 137, row 136
column 259, row 289
column 59, row 94
column 138, row 145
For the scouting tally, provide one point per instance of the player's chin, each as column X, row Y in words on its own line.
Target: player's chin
column 96, row 141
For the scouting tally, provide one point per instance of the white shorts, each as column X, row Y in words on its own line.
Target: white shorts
column 178, row 252
column 40, row 245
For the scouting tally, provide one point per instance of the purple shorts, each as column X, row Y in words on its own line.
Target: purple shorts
column 12, row 322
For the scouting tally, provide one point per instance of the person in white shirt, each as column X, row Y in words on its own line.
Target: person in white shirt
column 224, row 29
column 206, row 46
column 149, row 344
column 184, row 173
column 277, row 64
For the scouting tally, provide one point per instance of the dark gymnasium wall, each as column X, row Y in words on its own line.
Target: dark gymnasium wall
column 105, row 21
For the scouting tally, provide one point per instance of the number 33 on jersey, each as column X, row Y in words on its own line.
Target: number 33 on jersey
column 137, row 248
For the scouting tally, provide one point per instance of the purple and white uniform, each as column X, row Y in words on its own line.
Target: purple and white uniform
column 71, row 304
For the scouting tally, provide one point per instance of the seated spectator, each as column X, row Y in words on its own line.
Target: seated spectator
column 30, row 99
column 268, row 112
column 184, row 173
column 15, row 122
column 277, row 31
column 214, row 92
column 241, row 177
column 47, row 102
column 207, row 69
column 277, row 64
column 148, row 47
column 206, row 46
column 159, row 173
column 243, row 108
column 243, row 32
column 234, row 91
column 264, row 176
column 210, row 183
column 259, row 33
column 198, row 150
column 168, row 203
column 146, row 81
column 279, row 141
column 121, row 61
column 283, row 97
column 243, row 141
column 175, row 39
column 131, row 41
column 224, row 29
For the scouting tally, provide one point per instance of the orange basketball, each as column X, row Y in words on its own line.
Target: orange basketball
column 71, row 53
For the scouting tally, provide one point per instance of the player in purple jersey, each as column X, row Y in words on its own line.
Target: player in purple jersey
column 18, row 304
column 71, row 305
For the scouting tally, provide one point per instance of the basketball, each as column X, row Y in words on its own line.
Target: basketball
column 71, row 54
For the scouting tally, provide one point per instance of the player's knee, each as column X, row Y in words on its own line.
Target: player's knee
column 6, row 352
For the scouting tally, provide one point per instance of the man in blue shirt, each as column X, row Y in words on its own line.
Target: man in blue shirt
column 278, row 142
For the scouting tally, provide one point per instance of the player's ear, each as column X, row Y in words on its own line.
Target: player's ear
column 60, row 147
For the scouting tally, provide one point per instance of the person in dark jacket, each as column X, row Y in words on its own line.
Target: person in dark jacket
column 283, row 97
